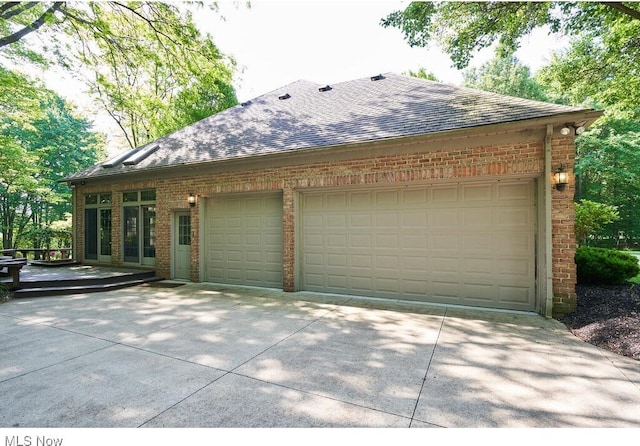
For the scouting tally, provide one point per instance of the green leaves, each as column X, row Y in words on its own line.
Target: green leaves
column 41, row 141
column 505, row 76
column 591, row 217
column 153, row 71
column 147, row 63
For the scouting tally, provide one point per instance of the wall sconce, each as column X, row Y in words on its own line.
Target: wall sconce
column 561, row 178
column 191, row 200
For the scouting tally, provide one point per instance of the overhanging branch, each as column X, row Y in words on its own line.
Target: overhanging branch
column 619, row 6
column 36, row 24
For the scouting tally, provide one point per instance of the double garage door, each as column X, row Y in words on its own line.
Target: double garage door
column 464, row 244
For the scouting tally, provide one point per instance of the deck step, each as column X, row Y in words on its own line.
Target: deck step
column 90, row 285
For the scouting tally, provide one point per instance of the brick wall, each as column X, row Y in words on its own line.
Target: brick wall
column 488, row 161
column 563, row 235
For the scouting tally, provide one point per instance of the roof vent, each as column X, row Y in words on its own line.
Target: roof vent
column 325, row 88
column 377, row 77
column 244, row 104
column 282, row 97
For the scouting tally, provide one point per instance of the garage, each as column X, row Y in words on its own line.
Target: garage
column 452, row 243
column 243, row 241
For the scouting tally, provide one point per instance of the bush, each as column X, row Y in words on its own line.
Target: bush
column 605, row 266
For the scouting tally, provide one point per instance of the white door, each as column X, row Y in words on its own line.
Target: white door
column 244, row 239
column 182, row 246
column 467, row 244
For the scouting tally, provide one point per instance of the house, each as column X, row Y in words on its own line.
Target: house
column 387, row 186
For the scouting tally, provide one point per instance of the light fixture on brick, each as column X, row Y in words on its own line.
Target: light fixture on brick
column 192, row 200
column 561, row 178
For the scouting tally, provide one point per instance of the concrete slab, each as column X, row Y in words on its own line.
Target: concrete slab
column 117, row 386
column 378, row 365
column 240, row 402
column 203, row 355
column 501, row 374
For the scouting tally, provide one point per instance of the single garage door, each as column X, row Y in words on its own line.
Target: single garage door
column 463, row 244
column 243, row 240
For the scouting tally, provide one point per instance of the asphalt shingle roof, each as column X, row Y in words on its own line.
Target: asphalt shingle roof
column 349, row 112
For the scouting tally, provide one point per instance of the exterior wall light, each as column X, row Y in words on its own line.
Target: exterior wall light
column 191, row 200
column 561, row 178
column 568, row 129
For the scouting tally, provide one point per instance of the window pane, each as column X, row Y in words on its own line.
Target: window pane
column 149, row 231
column 91, row 199
column 131, row 234
column 105, row 198
column 129, row 197
column 91, row 234
column 105, row 232
column 184, row 230
column 148, row 195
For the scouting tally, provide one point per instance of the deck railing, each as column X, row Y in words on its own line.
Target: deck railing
column 38, row 253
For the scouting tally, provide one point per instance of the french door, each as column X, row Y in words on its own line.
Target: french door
column 139, row 234
column 97, row 229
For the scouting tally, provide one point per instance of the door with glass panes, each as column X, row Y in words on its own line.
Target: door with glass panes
column 139, row 233
column 182, row 246
column 97, row 228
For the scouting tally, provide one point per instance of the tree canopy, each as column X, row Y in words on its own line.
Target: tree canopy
column 42, row 140
column 146, row 62
column 601, row 64
column 465, row 27
column 505, row 75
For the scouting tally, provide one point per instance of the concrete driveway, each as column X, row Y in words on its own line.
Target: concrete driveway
column 203, row 355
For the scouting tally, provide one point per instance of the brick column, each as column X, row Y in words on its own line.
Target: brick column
column 288, row 239
column 563, row 234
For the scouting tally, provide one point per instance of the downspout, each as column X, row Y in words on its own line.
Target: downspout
column 548, row 236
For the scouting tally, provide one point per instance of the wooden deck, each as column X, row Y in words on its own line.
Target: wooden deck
column 71, row 279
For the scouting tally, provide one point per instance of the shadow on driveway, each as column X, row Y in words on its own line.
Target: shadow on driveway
column 203, row 355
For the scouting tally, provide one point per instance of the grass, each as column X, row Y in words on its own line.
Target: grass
column 636, row 279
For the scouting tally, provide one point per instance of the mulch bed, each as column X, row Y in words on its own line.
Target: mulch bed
column 609, row 317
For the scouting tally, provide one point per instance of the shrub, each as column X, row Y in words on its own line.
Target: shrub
column 605, row 266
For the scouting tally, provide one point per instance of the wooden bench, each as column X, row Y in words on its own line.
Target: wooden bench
column 13, row 268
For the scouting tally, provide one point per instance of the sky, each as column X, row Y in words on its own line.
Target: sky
column 276, row 43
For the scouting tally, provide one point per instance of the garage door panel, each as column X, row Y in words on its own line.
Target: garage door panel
column 514, row 191
column 244, row 239
column 336, row 240
column 445, row 195
column 508, row 295
column 477, row 219
column 361, row 261
column 444, row 218
column 477, row 193
column 363, row 241
column 469, row 244
column 387, row 220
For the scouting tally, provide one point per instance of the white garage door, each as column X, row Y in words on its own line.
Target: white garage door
column 243, row 241
column 465, row 244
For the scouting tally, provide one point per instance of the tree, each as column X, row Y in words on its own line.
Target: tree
column 147, row 63
column 505, row 75
column 591, row 217
column 423, row 74
column 608, row 171
column 601, row 68
column 607, row 49
column 465, row 27
column 42, row 141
